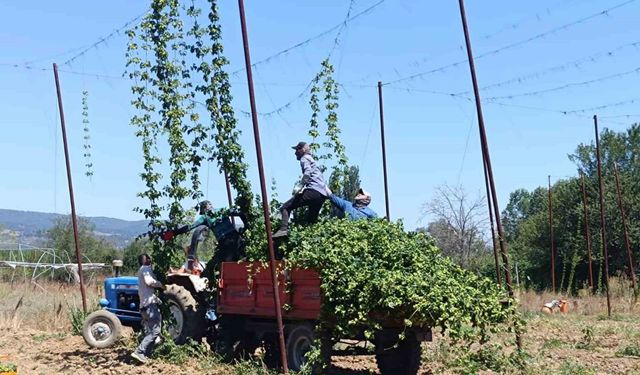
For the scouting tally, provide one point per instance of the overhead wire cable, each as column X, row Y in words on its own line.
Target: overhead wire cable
column 566, row 86
column 559, row 111
column 460, row 48
column 278, row 110
column 557, row 68
column 104, row 39
column 514, row 44
column 313, row 38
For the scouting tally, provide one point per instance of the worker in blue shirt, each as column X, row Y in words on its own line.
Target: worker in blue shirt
column 230, row 244
column 358, row 209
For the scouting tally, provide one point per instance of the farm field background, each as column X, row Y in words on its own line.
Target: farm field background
column 36, row 335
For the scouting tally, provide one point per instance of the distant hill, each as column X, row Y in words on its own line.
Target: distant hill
column 31, row 225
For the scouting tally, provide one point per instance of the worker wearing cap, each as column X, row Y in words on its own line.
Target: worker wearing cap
column 311, row 192
column 358, row 209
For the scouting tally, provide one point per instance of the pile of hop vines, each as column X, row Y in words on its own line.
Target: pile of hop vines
column 373, row 271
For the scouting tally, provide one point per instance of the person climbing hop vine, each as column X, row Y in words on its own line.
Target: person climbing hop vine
column 229, row 241
column 310, row 192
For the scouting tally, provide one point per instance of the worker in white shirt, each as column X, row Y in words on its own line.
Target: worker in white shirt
column 151, row 317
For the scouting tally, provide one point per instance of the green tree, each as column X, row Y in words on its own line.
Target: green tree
column 93, row 248
column 526, row 216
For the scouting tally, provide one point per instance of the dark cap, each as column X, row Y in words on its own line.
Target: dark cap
column 299, row 146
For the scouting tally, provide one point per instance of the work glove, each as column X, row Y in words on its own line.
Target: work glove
column 168, row 235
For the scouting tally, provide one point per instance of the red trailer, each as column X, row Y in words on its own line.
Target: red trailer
column 246, row 310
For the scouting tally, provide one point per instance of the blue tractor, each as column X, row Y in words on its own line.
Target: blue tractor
column 187, row 296
column 120, row 307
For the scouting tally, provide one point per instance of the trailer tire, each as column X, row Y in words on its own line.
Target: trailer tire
column 101, row 329
column 403, row 359
column 189, row 321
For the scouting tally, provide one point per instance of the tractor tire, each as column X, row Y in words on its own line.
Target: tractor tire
column 298, row 342
column 397, row 357
column 101, row 329
column 187, row 319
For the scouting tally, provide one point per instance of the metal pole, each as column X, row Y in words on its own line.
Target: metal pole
column 624, row 226
column 487, row 159
column 493, row 231
column 603, row 223
column 73, row 204
column 226, row 181
column 263, row 188
column 384, row 151
column 552, row 242
column 587, row 235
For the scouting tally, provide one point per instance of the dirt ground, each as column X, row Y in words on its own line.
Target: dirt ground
column 556, row 344
column 35, row 334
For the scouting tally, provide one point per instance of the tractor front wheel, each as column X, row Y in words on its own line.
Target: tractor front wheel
column 101, row 329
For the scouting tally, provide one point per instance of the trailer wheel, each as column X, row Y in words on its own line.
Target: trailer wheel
column 189, row 322
column 101, row 329
column 403, row 359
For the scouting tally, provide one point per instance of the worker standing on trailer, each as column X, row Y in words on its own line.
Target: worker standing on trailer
column 311, row 191
column 358, row 209
column 151, row 317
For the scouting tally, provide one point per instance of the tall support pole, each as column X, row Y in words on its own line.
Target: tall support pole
column 263, row 188
column 229, row 199
column 384, row 150
column 587, row 235
column 624, row 227
column 552, row 243
column 603, row 223
column 493, row 231
column 487, row 160
column 74, row 220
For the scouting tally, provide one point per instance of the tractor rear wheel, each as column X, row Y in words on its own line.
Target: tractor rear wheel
column 187, row 320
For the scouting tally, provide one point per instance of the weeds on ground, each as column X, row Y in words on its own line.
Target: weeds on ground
column 471, row 359
column 553, row 344
column 251, row 368
column 569, row 367
column 49, row 336
column 587, row 339
column 193, row 352
column 8, row 367
column 76, row 318
column 632, row 350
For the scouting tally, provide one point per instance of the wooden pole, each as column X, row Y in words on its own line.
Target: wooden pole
column 384, row 151
column 603, row 222
column 552, row 242
column 74, row 219
column 623, row 216
column 487, row 159
column 587, row 235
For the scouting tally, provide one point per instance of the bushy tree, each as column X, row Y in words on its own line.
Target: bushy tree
column 526, row 217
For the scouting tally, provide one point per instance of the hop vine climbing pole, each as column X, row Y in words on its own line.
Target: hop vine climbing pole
column 87, row 136
column 332, row 149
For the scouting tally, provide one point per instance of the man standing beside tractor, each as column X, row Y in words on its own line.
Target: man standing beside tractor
column 149, row 309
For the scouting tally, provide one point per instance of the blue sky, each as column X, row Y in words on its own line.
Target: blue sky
column 432, row 138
